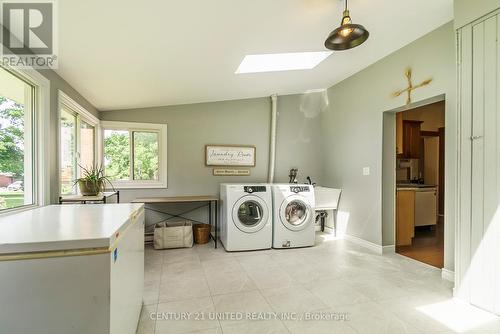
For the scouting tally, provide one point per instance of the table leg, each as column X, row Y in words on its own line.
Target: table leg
column 216, row 222
column 335, row 223
column 210, row 216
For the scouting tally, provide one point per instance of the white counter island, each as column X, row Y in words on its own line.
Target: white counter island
column 72, row 269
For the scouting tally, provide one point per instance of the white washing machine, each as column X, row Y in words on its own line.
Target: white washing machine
column 293, row 221
column 246, row 217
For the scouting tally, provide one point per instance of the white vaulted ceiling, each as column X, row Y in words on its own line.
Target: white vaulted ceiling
column 127, row 54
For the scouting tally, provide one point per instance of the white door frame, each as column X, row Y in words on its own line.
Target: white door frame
column 389, row 174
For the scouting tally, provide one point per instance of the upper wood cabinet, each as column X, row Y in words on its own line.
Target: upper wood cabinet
column 411, row 139
column 408, row 138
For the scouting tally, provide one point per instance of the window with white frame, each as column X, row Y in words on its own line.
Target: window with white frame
column 135, row 154
column 23, row 117
column 77, row 142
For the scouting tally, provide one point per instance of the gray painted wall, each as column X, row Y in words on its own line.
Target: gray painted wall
column 298, row 136
column 190, row 128
column 352, row 131
column 57, row 83
column 239, row 122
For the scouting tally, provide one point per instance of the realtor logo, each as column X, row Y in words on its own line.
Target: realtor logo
column 28, row 33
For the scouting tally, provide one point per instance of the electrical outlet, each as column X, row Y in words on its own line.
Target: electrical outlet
column 366, row 171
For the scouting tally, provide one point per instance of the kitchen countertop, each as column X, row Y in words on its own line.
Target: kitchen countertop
column 64, row 227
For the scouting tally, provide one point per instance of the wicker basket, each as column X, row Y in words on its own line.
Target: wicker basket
column 201, row 233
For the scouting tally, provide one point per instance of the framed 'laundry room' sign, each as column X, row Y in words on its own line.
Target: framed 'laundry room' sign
column 229, row 155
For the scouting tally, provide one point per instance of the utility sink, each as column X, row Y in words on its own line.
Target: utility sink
column 326, row 198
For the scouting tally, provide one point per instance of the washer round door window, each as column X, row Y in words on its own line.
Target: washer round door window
column 250, row 214
column 295, row 213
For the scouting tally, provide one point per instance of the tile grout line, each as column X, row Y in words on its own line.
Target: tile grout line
column 307, row 287
column 210, row 293
column 159, row 287
column 272, row 308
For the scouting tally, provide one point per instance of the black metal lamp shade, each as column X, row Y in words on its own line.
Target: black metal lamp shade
column 347, row 36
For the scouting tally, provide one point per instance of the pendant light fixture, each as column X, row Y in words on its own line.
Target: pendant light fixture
column 348, row 35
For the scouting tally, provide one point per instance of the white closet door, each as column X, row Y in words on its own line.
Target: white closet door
column 477, row 287
column 465, row 159
column 484, row 266
column 491, row 169
column 494, row 206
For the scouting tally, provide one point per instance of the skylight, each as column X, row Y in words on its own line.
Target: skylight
column 281, row 62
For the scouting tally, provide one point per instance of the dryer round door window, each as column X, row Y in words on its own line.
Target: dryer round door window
column 295, row 213
column 250, row 214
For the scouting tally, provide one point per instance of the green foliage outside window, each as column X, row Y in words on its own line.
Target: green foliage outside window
column 145, row 156
column 117, row 155
column 12, row 138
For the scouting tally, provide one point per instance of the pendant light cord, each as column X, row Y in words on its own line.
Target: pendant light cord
column 345, row 4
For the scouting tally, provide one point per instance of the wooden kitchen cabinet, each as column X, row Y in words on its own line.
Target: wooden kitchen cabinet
column 411, row 139
column 405, row 217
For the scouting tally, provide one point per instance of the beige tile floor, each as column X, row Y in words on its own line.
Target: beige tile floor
column 379, row 294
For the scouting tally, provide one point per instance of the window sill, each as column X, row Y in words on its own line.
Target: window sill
column 19, row 209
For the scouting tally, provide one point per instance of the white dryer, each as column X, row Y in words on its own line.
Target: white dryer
column 293, row 221
column 246, row 217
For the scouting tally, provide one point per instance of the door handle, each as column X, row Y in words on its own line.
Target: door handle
column 475, row 137
column 259, row 215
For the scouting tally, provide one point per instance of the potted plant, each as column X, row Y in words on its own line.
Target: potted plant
column 93, row 181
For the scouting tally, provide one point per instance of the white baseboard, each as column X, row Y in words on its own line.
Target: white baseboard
column 448, row 275
column 391, row 249
column 328, row 229
column 364, row 243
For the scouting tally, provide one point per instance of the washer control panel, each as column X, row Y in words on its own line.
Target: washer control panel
column 299, row 189
column 254, row 189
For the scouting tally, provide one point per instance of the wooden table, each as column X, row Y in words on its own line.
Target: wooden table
column 101, row 197
column 208, row 200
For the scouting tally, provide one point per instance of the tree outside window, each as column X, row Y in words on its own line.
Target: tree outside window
column 15, row 152
column 118, row 157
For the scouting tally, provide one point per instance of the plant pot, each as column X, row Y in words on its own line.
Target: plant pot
column 89, row 188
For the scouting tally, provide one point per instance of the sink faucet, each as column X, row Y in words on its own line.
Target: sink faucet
column 310, row 181
column 293, row 175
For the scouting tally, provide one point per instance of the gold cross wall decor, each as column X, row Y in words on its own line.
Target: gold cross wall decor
column 410, row 87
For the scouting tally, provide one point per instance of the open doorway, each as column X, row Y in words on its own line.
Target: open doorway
column 419, row 186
